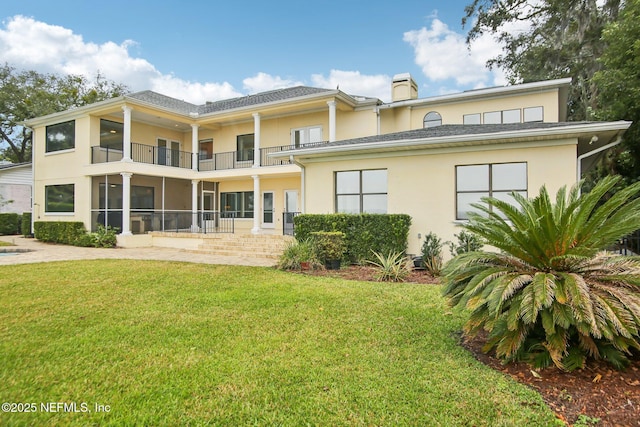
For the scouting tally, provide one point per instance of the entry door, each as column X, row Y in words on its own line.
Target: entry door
column 267, row 209
column 208, row 203
column 168, row 152
column 290, row 210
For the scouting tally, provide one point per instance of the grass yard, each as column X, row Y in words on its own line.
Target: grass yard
column 189, row 344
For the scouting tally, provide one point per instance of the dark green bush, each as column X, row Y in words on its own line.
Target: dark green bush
column 330, row 245
column 9, row 224
column 25, row 228
column 65, row 232
column 364, row 233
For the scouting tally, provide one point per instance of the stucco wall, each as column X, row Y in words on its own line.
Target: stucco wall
column 423, row 185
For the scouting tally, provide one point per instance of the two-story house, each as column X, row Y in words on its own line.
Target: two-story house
column 147, row 162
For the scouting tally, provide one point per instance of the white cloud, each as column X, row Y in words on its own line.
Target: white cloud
column 30, row 44
column 443, row 54
column 355, row 83
column 262, row 82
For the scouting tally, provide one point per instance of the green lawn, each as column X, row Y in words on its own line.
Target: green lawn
column 188, row 344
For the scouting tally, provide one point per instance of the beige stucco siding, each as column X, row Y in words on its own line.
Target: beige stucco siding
column 423, row 186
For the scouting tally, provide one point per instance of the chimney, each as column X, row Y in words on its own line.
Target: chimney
column 403, row 88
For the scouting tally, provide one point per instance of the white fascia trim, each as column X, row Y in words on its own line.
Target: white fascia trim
column 483, row 93
column 74, row 112
column 542, row 133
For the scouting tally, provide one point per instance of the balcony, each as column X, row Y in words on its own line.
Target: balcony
column 154, row 155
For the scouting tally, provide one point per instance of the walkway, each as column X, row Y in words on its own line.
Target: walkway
column 45, row 252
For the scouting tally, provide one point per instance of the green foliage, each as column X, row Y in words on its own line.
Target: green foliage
column 393, row 267
column 9, row 224
column 25, row 226
column 551, row 295
column 296, row 253
column 466, row 242
column 74, row 233
column 330, row 245
column 28, row 94
column 104, row 237
column 431, row 252
column 585, row 421
column 364, row 234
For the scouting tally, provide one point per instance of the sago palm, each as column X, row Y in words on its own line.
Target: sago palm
column 551, row 294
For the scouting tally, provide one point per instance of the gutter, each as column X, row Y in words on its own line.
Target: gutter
column 617, row 141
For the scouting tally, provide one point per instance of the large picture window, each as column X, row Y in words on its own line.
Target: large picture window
column 61, row 136
column 361, row 191
column 238, row 204
column 59, row 198
column 498, row 180
column 245, row 147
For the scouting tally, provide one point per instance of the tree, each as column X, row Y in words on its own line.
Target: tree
column 619, row 87
column 551, row 295
column 563, row 40
column 28, row 94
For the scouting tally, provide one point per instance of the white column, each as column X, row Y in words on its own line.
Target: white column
column 256, row 140
column 194, row 147
column 126, row 203
column 256, row 205
column 194, row 204
column 126, row 134
column 332, row 120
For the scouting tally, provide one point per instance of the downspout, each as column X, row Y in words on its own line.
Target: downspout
column 596, row 151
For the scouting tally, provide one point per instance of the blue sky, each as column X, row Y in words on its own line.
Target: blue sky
column 208, row 50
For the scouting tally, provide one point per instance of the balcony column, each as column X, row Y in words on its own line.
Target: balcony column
column 256, row 140
column 126, row 203
column 126, row 134
column 332, row 120
column 256, row 204
column 195, row 149
column 194, row 205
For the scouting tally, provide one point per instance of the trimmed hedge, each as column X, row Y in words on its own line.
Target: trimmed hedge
column 65, row 232
column 9, row 224
column 364, row 233
column 26, row 224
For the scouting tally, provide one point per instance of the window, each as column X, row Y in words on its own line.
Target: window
column 245, row 147
column 511, row 116
column 206, row 148
column 238, row 204
column 533, row 114
column 61, row 136
column 432, row 119
column 306, row 135
column 111, row 134
column 361, row 191
column 471, row 119
column 498, row 180
column 493, row 118
column 59, row 198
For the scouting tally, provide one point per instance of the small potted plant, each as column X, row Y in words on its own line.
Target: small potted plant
column 330, row 246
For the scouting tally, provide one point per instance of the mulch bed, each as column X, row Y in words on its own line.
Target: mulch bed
column 584, row 395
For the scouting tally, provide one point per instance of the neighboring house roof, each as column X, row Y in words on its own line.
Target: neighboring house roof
column 5, row 166
column 457, row 135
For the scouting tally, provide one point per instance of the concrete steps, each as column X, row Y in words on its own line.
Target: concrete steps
column 265, row 246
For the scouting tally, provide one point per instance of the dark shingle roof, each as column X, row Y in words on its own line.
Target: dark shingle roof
column 451, row 130
column 225, row 104
column 13, row 165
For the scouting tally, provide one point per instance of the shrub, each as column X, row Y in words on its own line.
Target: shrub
column 296, row 253
column 329, row 245
column 466, row 242
column 391, row 268
column 65, row 232
column 26, row 224
column 104, row 237
column 432, row 253
column 9, row 224
column 364, row 233
column 551, row 295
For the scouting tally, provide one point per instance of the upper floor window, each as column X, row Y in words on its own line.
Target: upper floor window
column 111, row 134
column 533, row 114
column 206, row 148
column 432, row 119
column 306, row 135
column 498, row 180
column 245, row 147
column 59, row 198
column 361, row 191
column 61, row 136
